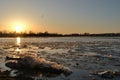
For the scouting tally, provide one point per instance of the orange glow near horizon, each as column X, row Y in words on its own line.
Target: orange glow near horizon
column 18, row 26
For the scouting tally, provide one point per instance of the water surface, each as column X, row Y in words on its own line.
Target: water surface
column 82, row 55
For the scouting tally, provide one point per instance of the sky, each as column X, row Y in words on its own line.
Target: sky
column 61, row 16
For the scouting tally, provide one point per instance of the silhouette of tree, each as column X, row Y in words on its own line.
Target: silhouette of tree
column 47, row 34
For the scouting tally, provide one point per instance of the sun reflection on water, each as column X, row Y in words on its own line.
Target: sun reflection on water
column 18, row 40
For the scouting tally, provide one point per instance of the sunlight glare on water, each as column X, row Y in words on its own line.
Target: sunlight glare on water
column 18, row 40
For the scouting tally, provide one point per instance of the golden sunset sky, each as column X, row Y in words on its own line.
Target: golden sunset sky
column 61, row 16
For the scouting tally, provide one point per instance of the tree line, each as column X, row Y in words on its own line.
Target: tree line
column 47, row 34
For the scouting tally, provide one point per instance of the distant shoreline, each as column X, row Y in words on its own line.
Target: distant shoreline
column 46, row 34
column 54, row 36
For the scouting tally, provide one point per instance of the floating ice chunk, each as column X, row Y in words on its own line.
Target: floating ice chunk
column 107, row 74
column 30, row 62
column 91, row 54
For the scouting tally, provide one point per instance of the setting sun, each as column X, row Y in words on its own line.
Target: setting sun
column 18, row 28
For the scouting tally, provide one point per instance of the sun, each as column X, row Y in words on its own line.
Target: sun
column 18, row 28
